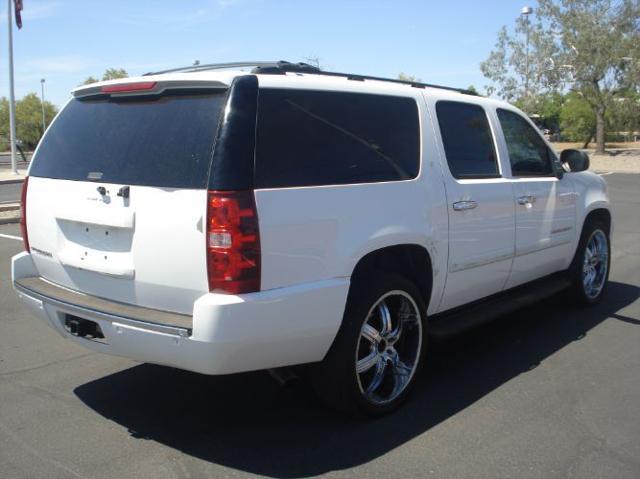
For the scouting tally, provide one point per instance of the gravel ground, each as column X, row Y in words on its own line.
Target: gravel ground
column 627, row 161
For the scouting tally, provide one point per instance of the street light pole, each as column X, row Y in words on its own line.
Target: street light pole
column 44, row 121
column 526, row 11
column 12, row 100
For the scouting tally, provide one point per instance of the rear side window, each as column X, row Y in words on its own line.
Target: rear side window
column 308, row 138
column 154, row 141
column 528, row 153
column 468, row 144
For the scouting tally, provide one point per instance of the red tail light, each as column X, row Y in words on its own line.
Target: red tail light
column 233, row 242
column 127, row 87
column 23, row 214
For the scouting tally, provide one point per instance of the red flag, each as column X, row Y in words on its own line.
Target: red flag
column 18, row 9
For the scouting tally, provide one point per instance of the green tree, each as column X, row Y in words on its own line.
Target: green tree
column 548, row 106
column 592, row 45
column 521, row 70
column 114, row 73
column 472, row 89
column 4, row 124
column 577, row 120
column 90, row 80
column 109, row 74
column 624, row 114
column 29, row 119
column 404, row 77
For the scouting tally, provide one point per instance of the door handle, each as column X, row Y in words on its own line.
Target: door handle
column 464, row 205
column 526, row 200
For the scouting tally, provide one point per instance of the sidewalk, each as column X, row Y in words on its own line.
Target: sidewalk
column 7, row 177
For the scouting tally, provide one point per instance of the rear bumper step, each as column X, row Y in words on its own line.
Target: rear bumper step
column 79, row 303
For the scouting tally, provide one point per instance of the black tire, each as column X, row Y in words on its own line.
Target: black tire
column 335, row 379
column 578, row 290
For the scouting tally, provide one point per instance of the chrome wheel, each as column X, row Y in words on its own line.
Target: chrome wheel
column 389, row 347
column 595, row 264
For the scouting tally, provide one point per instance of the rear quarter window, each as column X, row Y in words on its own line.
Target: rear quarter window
column 309, row 138
column 154, row 141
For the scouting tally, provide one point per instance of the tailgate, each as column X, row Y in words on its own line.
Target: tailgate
column 117, row 198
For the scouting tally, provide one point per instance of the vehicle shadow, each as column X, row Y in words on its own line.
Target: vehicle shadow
column 249, row 423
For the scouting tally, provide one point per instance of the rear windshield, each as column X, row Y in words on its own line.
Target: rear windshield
column 154, row 141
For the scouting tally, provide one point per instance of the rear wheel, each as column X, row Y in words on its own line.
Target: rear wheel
column 379, row 349
column 589, row 270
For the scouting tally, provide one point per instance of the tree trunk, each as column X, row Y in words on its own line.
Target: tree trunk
column 587, row 140
column 600, row 127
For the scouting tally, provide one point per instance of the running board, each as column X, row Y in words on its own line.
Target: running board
column 457, row 320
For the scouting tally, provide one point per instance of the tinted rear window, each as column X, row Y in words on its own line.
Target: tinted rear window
column 308, row 138
column 467, row 139
column 164, row 141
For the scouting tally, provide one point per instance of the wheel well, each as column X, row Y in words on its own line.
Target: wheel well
column 599, row 214
column 410, row 260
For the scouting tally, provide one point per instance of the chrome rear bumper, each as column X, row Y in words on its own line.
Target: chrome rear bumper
column 83, row 305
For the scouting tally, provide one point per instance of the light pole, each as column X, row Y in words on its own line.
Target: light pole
column 12, row 100
column 526, row 11
column 44, row 121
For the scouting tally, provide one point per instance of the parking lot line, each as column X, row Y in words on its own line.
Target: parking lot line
column 17, row 238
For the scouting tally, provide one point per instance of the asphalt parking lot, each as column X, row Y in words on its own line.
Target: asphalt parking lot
column 10, row 193
column 550, row 391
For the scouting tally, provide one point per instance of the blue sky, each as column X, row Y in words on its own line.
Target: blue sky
column 65, row 41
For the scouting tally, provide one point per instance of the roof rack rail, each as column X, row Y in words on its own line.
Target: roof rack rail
column 214, row 66
column 414, row 84
column 286, row 67
column 281, row 67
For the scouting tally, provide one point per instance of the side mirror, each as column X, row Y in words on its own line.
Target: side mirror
column 574, row 160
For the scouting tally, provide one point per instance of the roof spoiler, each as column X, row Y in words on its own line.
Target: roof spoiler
column 131, row 87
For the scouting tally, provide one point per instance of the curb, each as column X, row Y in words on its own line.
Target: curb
column 10, row 182
column 9, row 213
column 10, row 207
column 9, row 220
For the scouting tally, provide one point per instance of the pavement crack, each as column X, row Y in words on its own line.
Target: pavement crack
column 41, row 366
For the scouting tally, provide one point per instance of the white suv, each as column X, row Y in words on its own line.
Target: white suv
column 218, row 219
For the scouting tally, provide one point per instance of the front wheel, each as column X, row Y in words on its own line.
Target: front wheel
column 373, row 362
column 589, row 272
